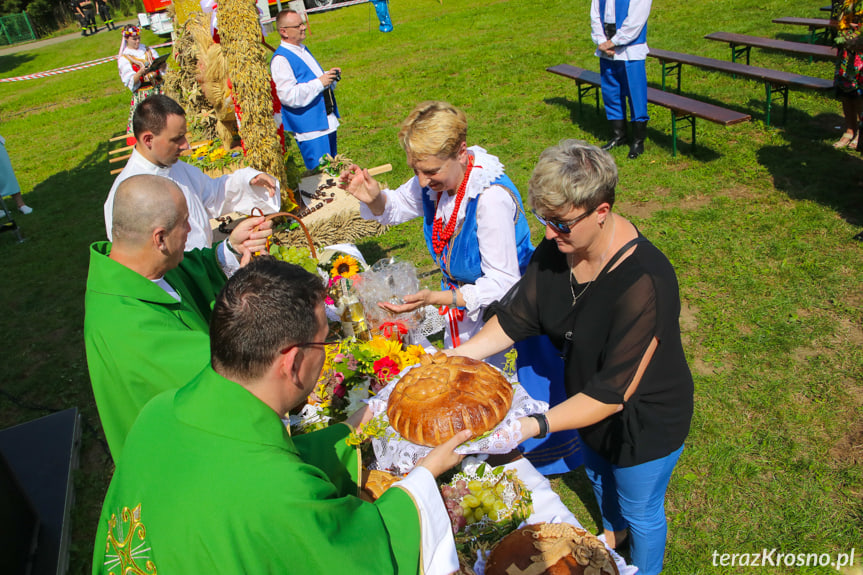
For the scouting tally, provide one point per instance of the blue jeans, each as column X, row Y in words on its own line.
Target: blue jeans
column 634, row 497
column 623, row 80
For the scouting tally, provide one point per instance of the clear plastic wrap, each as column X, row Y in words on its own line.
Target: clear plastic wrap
column 389, row 280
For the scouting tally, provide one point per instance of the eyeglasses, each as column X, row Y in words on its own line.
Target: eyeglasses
column 297, row 26
column 323, row 344
column 562, row 227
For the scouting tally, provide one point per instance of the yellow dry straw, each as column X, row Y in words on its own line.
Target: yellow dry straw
column 248, row 69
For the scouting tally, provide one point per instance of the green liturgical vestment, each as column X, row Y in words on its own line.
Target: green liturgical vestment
column 209, row 481
column 140, row 340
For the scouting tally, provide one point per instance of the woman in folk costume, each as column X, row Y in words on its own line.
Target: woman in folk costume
column 135, row 58
column 475, row 229
column 847, row 79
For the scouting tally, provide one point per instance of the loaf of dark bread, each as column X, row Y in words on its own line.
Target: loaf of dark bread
column 552, row 549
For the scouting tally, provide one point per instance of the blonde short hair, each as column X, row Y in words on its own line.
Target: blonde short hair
column 572, row 174
column 433, row 129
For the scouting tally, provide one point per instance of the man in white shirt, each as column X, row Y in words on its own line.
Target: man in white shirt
column 619, row 30
column 307, row 92
column 159, row 125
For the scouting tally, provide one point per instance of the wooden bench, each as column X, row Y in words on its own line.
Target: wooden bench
column 126, row 150
column 682, row 108
column 775, row 81
column 742, row 44
column 814, row 24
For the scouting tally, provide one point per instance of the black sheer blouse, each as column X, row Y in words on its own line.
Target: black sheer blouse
column 612, row 325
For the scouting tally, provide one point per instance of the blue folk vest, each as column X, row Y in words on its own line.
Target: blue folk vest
column 310, row 118
column 460, row 261
column 621, row 11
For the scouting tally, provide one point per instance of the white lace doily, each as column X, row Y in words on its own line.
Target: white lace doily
column 395, row 454
column 433, row 322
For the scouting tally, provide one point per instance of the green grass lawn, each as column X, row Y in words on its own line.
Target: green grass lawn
column 758, row 223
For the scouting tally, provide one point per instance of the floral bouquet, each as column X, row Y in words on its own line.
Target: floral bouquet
column 353, row 372
column 213, row 157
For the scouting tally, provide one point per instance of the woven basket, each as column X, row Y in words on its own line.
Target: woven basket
column 272, row 239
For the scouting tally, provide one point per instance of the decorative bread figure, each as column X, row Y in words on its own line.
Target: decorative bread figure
column 444, row 395
column 552, row 549
column 377, row 482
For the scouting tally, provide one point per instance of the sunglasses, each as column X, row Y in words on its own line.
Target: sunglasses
column 562, row 227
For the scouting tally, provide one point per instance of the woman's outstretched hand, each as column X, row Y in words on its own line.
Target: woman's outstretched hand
column 413, row 301
column 358, row 183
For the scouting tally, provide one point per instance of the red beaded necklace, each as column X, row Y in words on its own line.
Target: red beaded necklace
column 440, row 235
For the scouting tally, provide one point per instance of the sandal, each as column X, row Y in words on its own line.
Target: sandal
column 846, row 140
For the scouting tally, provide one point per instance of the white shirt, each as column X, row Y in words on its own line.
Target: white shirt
column 295, row 95
column 127, row 73
column 495, row 216
column 206, row 197
column 634, row 22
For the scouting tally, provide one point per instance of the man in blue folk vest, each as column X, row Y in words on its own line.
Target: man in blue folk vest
column 307, row 92
column 619, row 30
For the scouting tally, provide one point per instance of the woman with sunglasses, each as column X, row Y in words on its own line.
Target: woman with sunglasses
column 609, row 300
column 134, row 61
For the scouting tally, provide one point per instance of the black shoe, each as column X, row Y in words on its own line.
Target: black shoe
column 618, row 134
column 639, row 134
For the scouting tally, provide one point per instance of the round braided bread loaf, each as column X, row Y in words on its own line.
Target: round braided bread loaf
column 445, row 395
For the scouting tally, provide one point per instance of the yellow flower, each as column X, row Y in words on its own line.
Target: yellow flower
column 345, row 266
column 410, row 356
column 384, row 347
column 218, row 154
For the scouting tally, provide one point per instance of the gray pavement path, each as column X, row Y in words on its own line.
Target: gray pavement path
column 27, row 46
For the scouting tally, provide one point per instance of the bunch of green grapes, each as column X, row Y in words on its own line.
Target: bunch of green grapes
column 485, row 499
column 293, row 255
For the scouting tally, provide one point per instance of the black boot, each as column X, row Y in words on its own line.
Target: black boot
column 639, row 134
column 618, row 134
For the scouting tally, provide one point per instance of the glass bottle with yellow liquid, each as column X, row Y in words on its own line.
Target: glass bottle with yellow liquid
column 353, row 316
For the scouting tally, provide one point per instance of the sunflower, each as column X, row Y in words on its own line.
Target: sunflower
column 345, row 266
column 410, row 356
column 217, row 154
column 383, row 347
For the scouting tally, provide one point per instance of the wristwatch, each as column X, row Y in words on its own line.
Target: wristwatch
column 542, row 420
